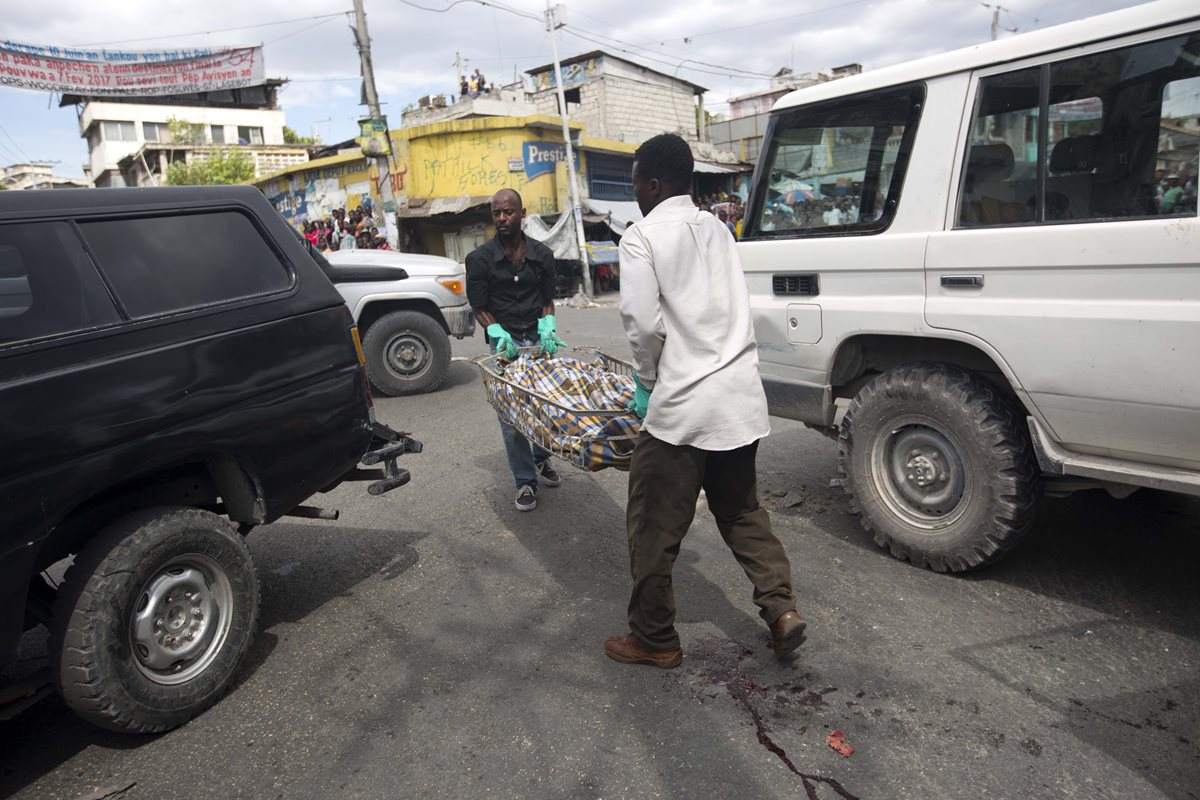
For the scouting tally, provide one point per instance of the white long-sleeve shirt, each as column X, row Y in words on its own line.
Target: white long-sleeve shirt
column 686, row 311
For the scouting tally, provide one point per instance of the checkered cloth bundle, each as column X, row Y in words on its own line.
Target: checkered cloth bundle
column 586, row 421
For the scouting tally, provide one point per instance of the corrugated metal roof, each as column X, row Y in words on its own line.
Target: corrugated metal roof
column 721, row 169
column 418, row 207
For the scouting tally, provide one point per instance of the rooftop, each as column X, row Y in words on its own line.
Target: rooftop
column 696, row 88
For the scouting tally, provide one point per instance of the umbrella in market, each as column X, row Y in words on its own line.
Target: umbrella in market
column 796, row 195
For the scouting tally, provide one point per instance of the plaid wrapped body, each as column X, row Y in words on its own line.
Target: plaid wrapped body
column 575, row 408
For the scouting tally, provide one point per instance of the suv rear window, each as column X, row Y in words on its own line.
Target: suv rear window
column 48, row 285
column 835, row 167
column 172, row 263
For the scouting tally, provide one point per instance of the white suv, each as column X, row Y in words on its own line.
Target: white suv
column 406, row 306
column 981, row 270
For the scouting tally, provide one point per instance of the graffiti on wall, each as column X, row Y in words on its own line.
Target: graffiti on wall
column 321, row 197
column 396, row 179
column 475, row 164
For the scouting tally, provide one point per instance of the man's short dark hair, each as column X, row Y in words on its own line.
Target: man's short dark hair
column 505, row 192
column 668, row 158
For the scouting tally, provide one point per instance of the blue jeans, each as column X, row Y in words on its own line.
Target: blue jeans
column 523, row 455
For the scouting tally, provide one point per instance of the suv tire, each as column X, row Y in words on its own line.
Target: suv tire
column 940, row 467
column 119, row 644
column 407, row 353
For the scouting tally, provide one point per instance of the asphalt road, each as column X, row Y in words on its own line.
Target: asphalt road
column 436, row 643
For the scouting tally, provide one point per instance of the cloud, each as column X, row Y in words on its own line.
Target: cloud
column 414, row 51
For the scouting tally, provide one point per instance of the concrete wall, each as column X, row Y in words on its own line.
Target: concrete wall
column 461, row 158
column 621, row 101
column 743, row 136
column 479, row 157
column 466, row 158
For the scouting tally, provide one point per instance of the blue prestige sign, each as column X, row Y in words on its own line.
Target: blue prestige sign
column 542, row 157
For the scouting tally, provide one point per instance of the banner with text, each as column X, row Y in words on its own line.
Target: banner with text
column 109, row 73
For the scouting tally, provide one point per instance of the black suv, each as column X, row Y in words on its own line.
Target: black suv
column 175, row 368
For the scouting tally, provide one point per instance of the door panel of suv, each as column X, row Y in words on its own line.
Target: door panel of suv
column 1062, row 257
column 831, row 176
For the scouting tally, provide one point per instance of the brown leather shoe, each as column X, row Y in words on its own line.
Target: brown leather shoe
column 787, row 632
column 627, row 650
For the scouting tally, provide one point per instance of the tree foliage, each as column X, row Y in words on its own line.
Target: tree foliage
column 291, row 137
column 184, row 132
column 223, row 166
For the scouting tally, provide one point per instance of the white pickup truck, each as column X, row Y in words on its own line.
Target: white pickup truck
column 407, row 307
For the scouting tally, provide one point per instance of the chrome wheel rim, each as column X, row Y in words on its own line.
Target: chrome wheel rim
column 181, row 619
column 918, row 470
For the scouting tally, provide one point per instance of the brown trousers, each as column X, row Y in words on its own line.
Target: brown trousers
column 664, row 485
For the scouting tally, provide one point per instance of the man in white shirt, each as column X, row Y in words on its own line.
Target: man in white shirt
column 686, row 312
column 832, row 215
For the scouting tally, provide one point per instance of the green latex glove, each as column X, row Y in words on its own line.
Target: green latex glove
column 641, row 398
column 503, row 339
column 548, row 336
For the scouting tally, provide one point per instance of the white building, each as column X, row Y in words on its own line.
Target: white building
column 37, row 176
column 122, row 129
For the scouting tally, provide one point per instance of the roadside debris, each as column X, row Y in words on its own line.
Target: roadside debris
column 837, row 740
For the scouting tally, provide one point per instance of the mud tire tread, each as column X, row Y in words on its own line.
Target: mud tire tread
column 1010, row 496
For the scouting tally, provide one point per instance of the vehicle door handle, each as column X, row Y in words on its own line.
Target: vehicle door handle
column 962, row 281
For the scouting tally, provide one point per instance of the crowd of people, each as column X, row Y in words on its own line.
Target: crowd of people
column 473, row 85
column 1174, row 193
column 728, row 208
column 345, row 231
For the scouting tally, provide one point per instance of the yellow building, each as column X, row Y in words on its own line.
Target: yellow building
column 444, row 174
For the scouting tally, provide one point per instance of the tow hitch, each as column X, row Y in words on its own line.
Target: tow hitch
column 386, row 446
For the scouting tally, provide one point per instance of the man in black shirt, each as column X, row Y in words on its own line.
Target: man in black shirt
column 510, row 286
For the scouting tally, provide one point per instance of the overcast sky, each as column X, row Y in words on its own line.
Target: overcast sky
column 414, row 49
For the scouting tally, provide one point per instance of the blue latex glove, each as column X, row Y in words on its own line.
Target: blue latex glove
column 641, row 398
column 548, row 336
column 503, row 339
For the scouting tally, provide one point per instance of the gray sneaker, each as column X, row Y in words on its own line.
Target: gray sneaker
column 549, row 475
column 526, row 498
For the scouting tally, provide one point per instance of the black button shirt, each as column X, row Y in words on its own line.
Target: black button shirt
column 514, row 294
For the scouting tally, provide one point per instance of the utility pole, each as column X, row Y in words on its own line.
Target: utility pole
column 315, row 128
column 555, row 19
column 382, row 159
column 996, row 9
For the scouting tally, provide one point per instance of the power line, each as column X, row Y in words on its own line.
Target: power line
column 500, row 6
column 721, row 70
column 811, row 12
column 9, row 155
column 14, row 141
column 415, row 93
column 302, row 30
column 218, row 30
column 612, row 43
